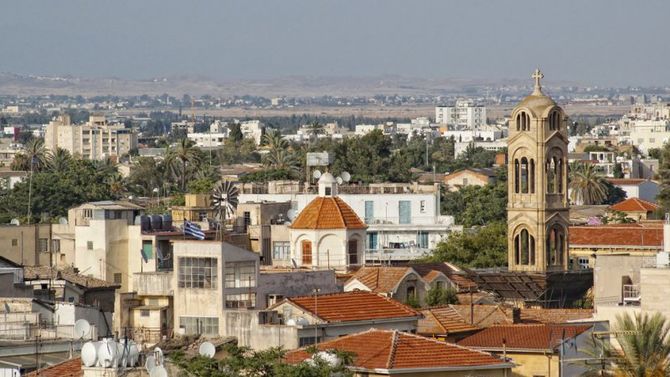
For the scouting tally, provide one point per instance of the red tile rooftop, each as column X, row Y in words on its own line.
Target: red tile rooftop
column 352, row 306
column 392, row 350
column 539, row 337
column 635, row 205
column 621, row 235
column 68, row 368
column 328, row 213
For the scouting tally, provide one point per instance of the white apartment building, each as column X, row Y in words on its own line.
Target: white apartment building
column 208, row 140
column 403, row 220
column 93, row 140
column 648, row 134
column 463, row 115
column 252, row 129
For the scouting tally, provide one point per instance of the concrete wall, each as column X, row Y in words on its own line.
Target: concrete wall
column 244, row 325
column 608, row 273
column 20, row 244
column 293, row 284
column 655, row 290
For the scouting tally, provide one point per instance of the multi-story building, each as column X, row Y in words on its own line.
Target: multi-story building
column 403, row 220
column 463, row 115
column 208, row 140
column 252, row 129
column 94, row 140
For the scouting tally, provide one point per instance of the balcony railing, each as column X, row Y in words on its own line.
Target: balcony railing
column 396, row 254
column 153, row 283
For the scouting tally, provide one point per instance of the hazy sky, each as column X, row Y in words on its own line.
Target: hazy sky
column 589, row 41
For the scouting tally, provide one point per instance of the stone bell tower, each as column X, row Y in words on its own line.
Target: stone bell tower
column 537, row 207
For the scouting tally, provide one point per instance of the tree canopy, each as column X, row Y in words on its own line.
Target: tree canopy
column 479, row 247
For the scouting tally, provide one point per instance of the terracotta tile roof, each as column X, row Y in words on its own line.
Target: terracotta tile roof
column 554, row 315
column 635, row 205
column 625, row 181
column 456, row 318
column 616, row 235
column 523, row 337
column 68, row 368
column 462, row 281
column 352, row 306
column 381, row 279
column 393, row 350
column 328, row 213
column 68, row 274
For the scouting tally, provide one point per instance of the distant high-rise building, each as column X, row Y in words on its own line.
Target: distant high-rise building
column 94, row 140
column 464, row 115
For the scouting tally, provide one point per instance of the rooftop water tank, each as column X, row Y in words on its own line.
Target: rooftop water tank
column 156, row 223
column 145, row 222
column 89, row 353
column 107, row 354
column 167, row 222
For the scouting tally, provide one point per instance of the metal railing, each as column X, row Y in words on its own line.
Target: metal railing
column 631, row 293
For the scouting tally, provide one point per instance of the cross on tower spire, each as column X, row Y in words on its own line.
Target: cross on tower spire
column 537, row 75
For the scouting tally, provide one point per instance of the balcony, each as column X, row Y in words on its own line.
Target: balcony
column 153, row 283
column 395, row 254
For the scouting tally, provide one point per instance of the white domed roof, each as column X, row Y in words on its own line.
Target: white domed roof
column 327, row 178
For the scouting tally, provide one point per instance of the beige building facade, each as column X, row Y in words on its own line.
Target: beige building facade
column 94, row 140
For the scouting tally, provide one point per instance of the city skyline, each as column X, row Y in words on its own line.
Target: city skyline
column 594, row 43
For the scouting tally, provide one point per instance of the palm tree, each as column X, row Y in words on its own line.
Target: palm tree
column 60, row 160
column 178, row 159
column 279, row 155
column 145, row 176
column 34, row 156
column 587, row 185
column 644, row 351
column 315, row 129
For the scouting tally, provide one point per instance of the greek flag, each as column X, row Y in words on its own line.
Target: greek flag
column 193, row 230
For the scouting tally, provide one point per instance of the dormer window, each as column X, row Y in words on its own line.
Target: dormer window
column 522, row 121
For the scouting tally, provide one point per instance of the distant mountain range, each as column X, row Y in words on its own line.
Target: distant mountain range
column 20, row 84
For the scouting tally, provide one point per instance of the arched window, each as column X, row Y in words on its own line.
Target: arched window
column 555, row 246
column 522, row 121
column 554, row 120
column 516, row 176
column 550, row 170
column 531, row 173
column 559, row 174
column 524, row 248
column 524, row 175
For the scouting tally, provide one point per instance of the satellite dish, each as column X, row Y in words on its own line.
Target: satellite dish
column 316, row 174
column 345, row 176
column 291, row 214
column 207, row 349
column 62, row 221
column 81, row 328
column 15, row 222
column 159, row 371
column 339, row 180
column 150, row 363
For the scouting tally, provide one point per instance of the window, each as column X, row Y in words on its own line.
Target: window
column 522, row 121
column 44, row 245
column 422, row 240
column 306, row 252
column 422, row 205
column 55, row 246
column 15, row 242
column 369, row 211
column 352, row 251
column 89, row 245
column 524, row 248
column 405, row 211
column 202, row 215
column 199, row 325
column 240, row 301
column 555, row 246
column 247, row 219
column 372, row 240
column 583, row 262
column 307, row 340
column 118, row 278
column 144, row 313
column 554, row 121
column 240, row 275
column 281, row 250
column 329, row 191
column 197, row 272
column 411, row 292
